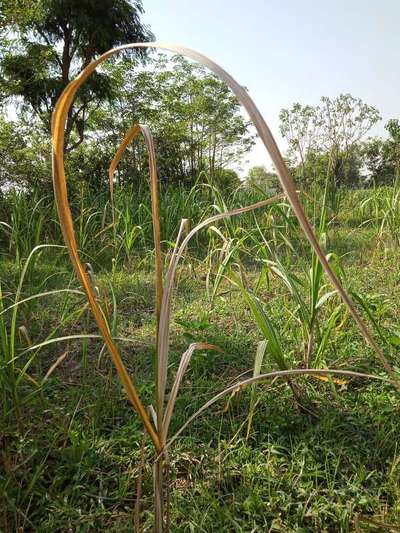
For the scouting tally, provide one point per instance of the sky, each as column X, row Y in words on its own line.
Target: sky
column 287, row 51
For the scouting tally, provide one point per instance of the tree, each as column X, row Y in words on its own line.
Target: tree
column 382, row 156
column 24, row 155
column 377, row 161
column 258, row 177
column 227, row 180
column 196, row 121
column 393, row 128
column 53, row 40
column 335, row 127
column 299, row 126
column 344, row 121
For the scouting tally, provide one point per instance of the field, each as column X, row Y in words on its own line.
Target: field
column 198, row 335
column 315, row 453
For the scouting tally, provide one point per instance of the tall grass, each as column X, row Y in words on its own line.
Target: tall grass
column 26, row 226
column 18, row 352
column 381, row 209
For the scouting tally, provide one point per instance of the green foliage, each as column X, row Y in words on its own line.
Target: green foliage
column 17, row 353
column 382, row 156
column 195, row 120
column 78, row 446
column 331, row 131
column 378, row 157
column 381, row 209
column 52, row 41
column 226, row 179
column 393, row 127
column 24, row 155
column 71, row 453
column 259, row 178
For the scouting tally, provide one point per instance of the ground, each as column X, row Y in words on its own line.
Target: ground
column 70, row 457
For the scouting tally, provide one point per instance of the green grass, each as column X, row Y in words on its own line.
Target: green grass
column 71, row 462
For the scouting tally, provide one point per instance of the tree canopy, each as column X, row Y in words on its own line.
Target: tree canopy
column 50, row 41
column 329, row 133
column 196, row 121
column 258, row 177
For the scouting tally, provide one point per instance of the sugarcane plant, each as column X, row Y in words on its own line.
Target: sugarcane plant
column 157, row 419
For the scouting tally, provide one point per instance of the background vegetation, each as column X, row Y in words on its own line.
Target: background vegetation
column 317, row 454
